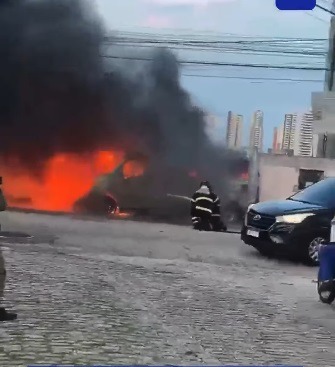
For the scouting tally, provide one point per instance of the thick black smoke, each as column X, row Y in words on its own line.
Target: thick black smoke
column 59, row 94
column 51, row 79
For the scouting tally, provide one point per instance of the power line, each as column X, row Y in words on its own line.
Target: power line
column 254, row 78
column 324, row 9
column 175, row 40
column 219, row 36
column 316, row 17
column 292, row 44
column 311, row 48
column 316, row 50
column 212, row 63
column 249, row 51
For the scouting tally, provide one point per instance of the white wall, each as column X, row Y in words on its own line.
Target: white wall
column 279, row 174
column 277, row 182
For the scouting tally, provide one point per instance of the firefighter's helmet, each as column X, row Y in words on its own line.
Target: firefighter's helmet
column 206, row 183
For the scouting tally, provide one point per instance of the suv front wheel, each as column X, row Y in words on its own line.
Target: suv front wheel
column 312, row 250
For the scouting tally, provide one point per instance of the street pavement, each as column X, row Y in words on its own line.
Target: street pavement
column 121, row 292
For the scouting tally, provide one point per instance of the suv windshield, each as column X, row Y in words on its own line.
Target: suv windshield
column 321, row 193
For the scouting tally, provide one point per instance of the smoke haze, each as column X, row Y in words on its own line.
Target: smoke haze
column 58, row 94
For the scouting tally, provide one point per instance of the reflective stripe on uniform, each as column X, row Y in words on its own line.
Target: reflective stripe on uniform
column 203, row 198
column 204, row 209
column 216, row 200
column 193, row 201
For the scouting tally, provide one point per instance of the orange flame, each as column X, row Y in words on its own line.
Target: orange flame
column 133, row 169
column 67, row 177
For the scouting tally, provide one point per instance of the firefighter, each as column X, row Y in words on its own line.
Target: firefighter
column 4, row 315
column 216, row 221
column 202, row 207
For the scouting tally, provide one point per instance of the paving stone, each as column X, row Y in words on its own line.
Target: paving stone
column 85, row 306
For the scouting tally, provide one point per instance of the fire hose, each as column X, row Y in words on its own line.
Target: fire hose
column 189, row 199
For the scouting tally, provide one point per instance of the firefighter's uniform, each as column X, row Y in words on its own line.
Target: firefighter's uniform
column 202, row 208
column 216, row 222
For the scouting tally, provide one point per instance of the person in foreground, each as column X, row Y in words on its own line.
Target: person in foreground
column 4, row 315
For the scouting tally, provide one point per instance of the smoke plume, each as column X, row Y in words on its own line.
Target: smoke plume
column 59, row 94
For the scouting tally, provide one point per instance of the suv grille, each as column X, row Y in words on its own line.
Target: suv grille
column 264, row 222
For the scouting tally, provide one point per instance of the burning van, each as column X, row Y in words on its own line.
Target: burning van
column 137, row 188
column 3, row 203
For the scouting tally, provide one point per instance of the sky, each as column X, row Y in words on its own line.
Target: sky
column 218, row 95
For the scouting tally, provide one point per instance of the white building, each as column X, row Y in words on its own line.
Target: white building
column 234, row 131
column 256, row 131
column 280, row 137
column 289, row 129
column 276, row 177
column 214, row 127
column 303, row 136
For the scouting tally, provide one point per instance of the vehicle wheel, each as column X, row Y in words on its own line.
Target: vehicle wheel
column 265, row 252
column 233, row 215
column 312, row 251
column 326, row 292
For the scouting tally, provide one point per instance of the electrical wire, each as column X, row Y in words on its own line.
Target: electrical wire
column 295, row 48
column 219, row 36
column 324, row 9
column 254, row 78
column 294, row 52
column 226, row 64
column 316, row 17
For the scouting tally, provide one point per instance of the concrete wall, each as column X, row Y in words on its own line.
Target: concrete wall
column 323, row 107
column 279, row 174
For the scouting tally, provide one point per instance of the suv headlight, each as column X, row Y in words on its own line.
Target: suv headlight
column 293, row 218
column 246, row 214
column 250, row 206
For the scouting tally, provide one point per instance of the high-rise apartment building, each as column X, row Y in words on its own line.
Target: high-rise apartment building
column 274, row 140
column 234, row 130
column 214, row 125
column 303, row 139
column 256, row 131
column 289, row 131
column 277, row 142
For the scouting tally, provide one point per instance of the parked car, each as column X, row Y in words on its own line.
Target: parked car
column 295, row 226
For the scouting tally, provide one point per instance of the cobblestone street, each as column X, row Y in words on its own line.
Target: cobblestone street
column 124, row 292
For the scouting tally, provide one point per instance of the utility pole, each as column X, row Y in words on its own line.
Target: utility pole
column 330, row 61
